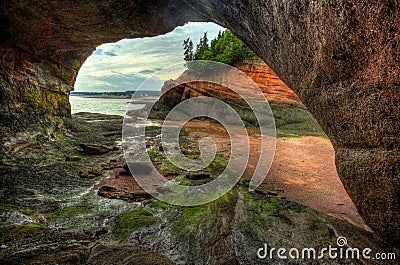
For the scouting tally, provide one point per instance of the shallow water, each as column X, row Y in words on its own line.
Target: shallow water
column 109, row 106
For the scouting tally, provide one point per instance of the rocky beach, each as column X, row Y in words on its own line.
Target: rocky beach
column 74, row 200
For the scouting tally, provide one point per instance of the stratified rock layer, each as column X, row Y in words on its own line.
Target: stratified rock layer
column 341, row 58
column 273, row 88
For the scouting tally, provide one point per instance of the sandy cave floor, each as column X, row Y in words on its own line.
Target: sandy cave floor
column 303, row 171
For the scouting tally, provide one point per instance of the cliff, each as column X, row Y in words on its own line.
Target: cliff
column 273, row 88
column 291, row 117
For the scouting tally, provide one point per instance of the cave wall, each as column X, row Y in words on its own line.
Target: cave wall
column 343, row 60
column 43, row 44
column 340, row 56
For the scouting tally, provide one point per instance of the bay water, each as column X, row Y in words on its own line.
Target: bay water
column 109, row 106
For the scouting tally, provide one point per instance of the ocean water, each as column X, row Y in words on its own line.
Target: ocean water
column 110, row 106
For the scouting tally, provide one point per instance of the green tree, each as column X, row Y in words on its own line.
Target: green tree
column 188, row 49
column 202, row 47
column 225, row 48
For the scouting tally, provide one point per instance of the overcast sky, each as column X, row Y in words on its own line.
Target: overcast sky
column 124, row 65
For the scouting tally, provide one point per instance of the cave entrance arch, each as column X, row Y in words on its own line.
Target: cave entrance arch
column 304, row 169
column 341, row 58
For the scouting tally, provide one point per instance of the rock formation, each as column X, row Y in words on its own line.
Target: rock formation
column 280, row 97
column 340, row 57
column 274, row 90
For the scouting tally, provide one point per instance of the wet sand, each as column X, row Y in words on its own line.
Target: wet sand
column 303, row 171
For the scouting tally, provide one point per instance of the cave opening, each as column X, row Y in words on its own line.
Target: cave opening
column 340, row 58
column 304, row 168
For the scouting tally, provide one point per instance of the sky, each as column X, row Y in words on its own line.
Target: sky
column 126, row 64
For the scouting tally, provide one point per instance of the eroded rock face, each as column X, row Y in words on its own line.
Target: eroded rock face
column 341, row 58
column 274, row 90
column 44, row 44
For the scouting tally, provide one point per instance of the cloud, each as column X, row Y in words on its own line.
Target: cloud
column 111, row 82
column 98, row 52
column 126, row 64
column 147, row 71
column 110, row 54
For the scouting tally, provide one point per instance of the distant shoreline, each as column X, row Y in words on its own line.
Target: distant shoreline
column 137, row 100
column 118, row 95
column 101, row 96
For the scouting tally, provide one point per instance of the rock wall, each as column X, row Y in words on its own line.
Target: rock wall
column 341, row 57
column 43, row 45
column 273, row 88
column 343, row 60
column 279, row 96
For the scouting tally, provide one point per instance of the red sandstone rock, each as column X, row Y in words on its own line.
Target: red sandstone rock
column 273, row 88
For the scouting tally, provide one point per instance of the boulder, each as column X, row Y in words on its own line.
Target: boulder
column 91, row 173
column 72, row 158
column 129, row 196
column 95, row 149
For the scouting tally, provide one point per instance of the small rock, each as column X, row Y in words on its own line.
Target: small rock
column 94, row 149
column 84, row 173
column 138, row 196
column 108, row 134
column 72, row 158
column 91, row 174
column 96, row 171
column 108, row 189
column 260, row 190
column 199, row 175
column 172, row 174
column 100, row 232
column 114, row 193
column 163, row 189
